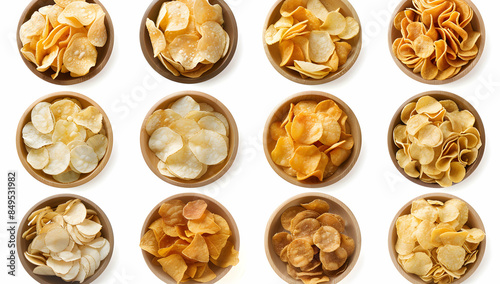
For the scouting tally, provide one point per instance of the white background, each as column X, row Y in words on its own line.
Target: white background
column 250, row 88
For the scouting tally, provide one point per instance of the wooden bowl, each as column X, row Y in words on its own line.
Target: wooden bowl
column 103, row 53
column 337, row 207
column 473, row 222
column 477, row 24
column 229, row 26
column 279, row 113
column 439, row 95
column 54, row 201
column 39, row 174
column 213, row 206
column 214, row 172
column 273, row 53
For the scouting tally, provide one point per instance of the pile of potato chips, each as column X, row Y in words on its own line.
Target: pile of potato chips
column 66, row 241
column 437, row 38
column 313, row 245
column 313, row 140
column 188, row 37
column 188, row 239
column 437, row 141
column 64, row 37
column 311, row 39
column 63, row 140
column 188, row 137
column 434, row 242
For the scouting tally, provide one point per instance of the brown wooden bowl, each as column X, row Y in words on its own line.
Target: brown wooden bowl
column 273, row 53
column 213, row 206
column 337, row 207
column 473, row 222
column 214, row 172
column 478, row 25
column 280, row 112
column 39, row 174
column 439, row 95
column 54, row 201
column 229, row 26
column 103, row 53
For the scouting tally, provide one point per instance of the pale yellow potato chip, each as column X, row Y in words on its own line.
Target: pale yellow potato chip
column 66, row 132
column 99, row 143
column 176, row 18
column 59, row 158
column 98, row 35
column 209, row 147
column 64, row 3
column 203, row 12
column 351, row 30
column 38, row 158
column 165, row 142
column 451, row 257
column 84, row 159
column 335, row 23
column 161, row 118
column 32, row 28
column 185, row 127
column 318, row 9
column 419, row 264
column 184, row 105
column 90, row 117
column 321, row 46
column 63, row 109
column 79, row 11
column 212, row 123
column 42, row 117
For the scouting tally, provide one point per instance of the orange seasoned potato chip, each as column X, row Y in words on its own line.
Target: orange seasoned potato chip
column 312, row 141
column 433, row 241
column 434, row 141
column 311, row 246
column 307, row 34
column 187, row 244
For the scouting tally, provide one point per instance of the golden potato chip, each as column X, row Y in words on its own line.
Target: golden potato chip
column 305, row 159
column 321, row 46
column 318, row 205
column 171, row 212
column 204, row 12
column 197, row 250
column 333, row 260
column 332, row 220
column 32, row 28
column 184, row 49
column 451, row 257
column 228, row 256
column 223, row 225
column 335, row 23
column 174, row 265
column 306, row 128
column 97, row 34
column 300, row 252
column 283, row 151
column 351, row 30
column 185, row 105
column 318, row 9
column 216, row 243
column 419, row 264
column 205, row 224
column 212, row 43
column 157, row 38
column 90, row 117
column 302, row 216
column 327, row 239
column 454, row 238
column 288, row 215
column 280, row 241
column 176, row 16
column 306, row 228
column 343, row 49
column 194, row 209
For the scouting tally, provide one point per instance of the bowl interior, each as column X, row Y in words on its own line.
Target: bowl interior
column 213, row 206
column 103, row 53
column 477, row 24
column 273, row 53
column 336, row 206
column 473, row 222
column 439, row 95
column 281, row 112
column 229, row 26
column 213, row 172
column 39, row 174
column 54, row 201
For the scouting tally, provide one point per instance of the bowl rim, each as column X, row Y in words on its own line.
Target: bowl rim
column 355, row 129
column 21, row 149
column 442, row 94
column 213, row 72
column 392, row 237
column 212, row 202
column 330, row 77
column 104, row 220
column 287, row 203
column 71, row 81
column 463, row 72
column 233, row 135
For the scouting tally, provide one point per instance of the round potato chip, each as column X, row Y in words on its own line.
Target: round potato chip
column 204, row 12
column 306, row 128
column 66, row 132
column 283, row 151
column 99, row 143
column 42, row 117
column 306, row 229
column 288, row 215
column 161, row 118
column 97, row 32
column 419, row 263
column 185, row 105
column 335, row 23
column 184, row 164
column 177, row 16
column 34, row 138
column 165, row 142
column 280, row 241
column 84, row 159
column 59, row 158
column 63, row 109
column 194, row 209
column 321, row 46
column 90, row 118
column 333, row 260
column 305, row 159
column 300, row 252
column 32, row 28
column 212, row 123
column 38, row 158
column 209, row 147
column 451, row 257
column 351, row 30
column 67, row 177
column 424, row 46
column 80, row 56
column 163, row 169
column 327, row 239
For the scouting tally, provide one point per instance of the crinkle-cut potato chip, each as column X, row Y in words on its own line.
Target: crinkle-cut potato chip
column 38, row 158
column 84, row 159
column 194, row 209
column 90, row 117
column 209, row 147
column 59, row 158
column 34, row 138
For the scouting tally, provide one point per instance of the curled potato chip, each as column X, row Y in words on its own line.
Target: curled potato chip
column 209, row 147
column 283, row 151
column 318, row 205
column 288, row 215
column 321, row 46
column 97, row 34
column 204, row 12
column 157, row 38
column 184, row 49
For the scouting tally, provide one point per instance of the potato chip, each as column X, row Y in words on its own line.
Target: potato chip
column 171, row 212
column 305, row 159
column 204, row 12
column 59, row 158
column 335, row 23
column 333, row 260
column 32, row 28
column 184, row 164
column 321, row 46
column 318, row 9
column 306, row 128
column 174, row 265
column 176, row 17
column 197, row 250
column 300, row 252
column 212, row 42
column 452, row 257
column 351, row 30
column 97, row 33
column 184, row 49
column 317, row 205
column 34, row 138
column 38, row 158
column 84, row 159
column 194, row 209
column 205, row 224
column 161, row 118
column 157, row 38
column 280, row 241
column 419, row 264
column 228, row 256
column 208, row 146
column 184, row 105
column 327, row 239
column 165, row 142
